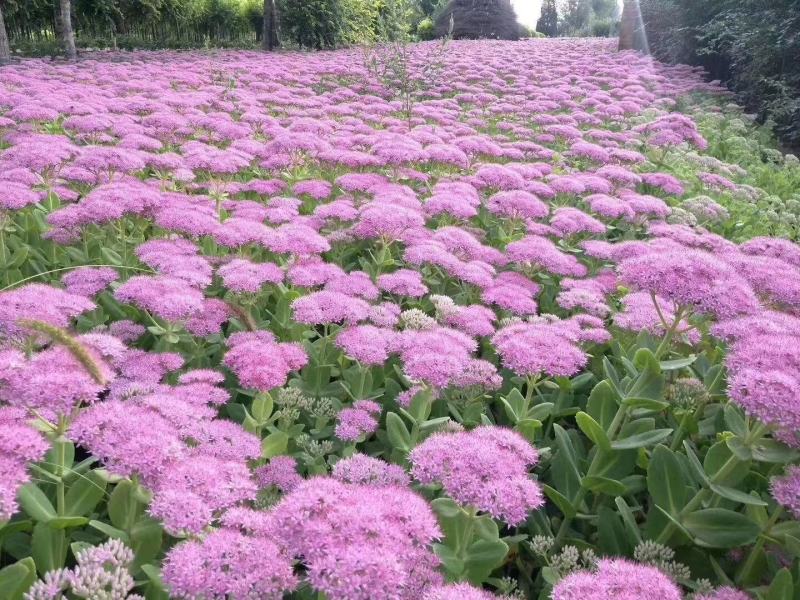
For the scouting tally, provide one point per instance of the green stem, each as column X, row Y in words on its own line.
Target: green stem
column 3, row 252
column 362, row 380
column 244, row 315
column 681, row 432
column 61, row 459
column 464, row 541
column 752, row 556
column 613, row 429
column 700, row 497
column 530, row 389
column 664, row 345
column 323, row 347
column 562, row 530
column 616, row 422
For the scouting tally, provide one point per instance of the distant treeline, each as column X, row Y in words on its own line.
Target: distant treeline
column 33, row 24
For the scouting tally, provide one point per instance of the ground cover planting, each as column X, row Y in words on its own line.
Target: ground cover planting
column 481, row 320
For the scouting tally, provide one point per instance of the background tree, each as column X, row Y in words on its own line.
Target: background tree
column 5, row 51
column 473, row 19
column 631, row 32
column 605, row 9
column 269, row 34
column 751, row 45
column 67, row 33
column 605, row 18
column 548, row 21
column 576, row 17
column 581, row 18
column 313, row 24
column 429, row 7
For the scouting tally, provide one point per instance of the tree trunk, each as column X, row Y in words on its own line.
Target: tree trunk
column 631, row 30
column 67, row 34
column 5, row 51
column 269, row 33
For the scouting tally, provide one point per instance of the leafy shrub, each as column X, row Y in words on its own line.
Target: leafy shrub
column 605, row 27
column 749, row 45
column 426, row 30
column 530, row 32
column 313, row 23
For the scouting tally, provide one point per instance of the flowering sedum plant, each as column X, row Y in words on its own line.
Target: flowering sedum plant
column 267, row 331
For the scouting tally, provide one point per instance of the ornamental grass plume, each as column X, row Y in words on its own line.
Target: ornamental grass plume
column 486, row 469
column 617, row 579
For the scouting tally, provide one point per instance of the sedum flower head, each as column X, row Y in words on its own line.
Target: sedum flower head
column 486, row 468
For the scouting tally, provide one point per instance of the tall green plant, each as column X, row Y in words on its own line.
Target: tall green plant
column 548, row 21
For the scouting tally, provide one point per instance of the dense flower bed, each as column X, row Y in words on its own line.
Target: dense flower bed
column 267, row 328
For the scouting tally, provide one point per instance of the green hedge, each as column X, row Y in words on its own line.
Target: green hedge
column 751, row 45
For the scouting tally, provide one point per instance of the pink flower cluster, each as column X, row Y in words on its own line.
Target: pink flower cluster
column 360, row 541
column 617, row 579
column 20, row 444
column 510, row 227
column 486, row 468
